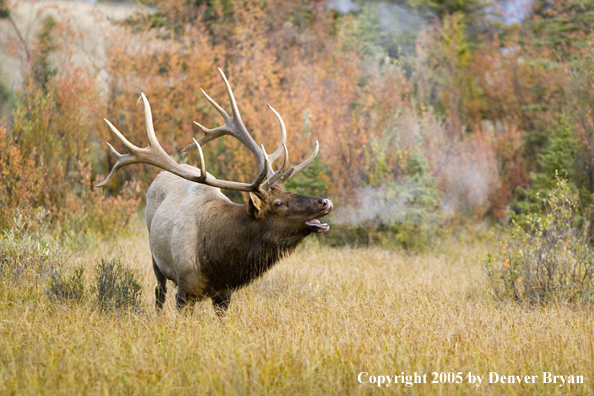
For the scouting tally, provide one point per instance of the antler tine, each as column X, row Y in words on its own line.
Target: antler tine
column 234, row 108
column 211, row 134
column 296, row 169
column 261, row 179
column 277, row 153
column 278, row 174
column 215, row 104
column 116, row 167
column 202, row 163
column 126, row 142
column 148, row 121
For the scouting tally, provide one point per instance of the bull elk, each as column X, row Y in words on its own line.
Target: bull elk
column 202, row 241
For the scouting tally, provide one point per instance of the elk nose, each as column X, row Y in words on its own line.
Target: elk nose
column 324, row 203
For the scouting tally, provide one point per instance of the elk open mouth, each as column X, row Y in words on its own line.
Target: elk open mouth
column 315, row 225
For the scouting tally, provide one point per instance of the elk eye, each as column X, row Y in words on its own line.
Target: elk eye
column 278, row 204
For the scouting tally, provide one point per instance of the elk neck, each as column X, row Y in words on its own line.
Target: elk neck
column 241, row 248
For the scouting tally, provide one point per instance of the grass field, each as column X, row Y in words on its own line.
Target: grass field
column 309, row 326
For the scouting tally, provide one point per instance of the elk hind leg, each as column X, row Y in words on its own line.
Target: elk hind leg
column 161, row 288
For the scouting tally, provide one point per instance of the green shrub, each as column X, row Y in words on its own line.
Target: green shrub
column 67, row 288
column 27, row 249
column 115, row 286
column 547, row 259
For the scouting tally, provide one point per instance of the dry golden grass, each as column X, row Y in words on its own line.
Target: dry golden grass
column 309, row 326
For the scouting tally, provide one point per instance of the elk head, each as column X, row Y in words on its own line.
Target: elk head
column 286, row 210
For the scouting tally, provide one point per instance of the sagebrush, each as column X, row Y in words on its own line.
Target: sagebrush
column 116, row 287
column 67, row 287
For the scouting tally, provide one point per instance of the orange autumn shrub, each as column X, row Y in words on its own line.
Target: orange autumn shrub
column 21, row 179
column 49, row 140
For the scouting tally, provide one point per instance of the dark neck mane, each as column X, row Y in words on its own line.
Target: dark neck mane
column 240, row 249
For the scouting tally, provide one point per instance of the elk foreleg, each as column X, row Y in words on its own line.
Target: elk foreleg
column 221, row 301
column 185, row 300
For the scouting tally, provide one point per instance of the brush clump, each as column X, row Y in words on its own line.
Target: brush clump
column 547, row 257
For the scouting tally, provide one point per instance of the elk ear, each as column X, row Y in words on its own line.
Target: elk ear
column 255, row 204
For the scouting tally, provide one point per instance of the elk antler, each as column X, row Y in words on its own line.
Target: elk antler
column 154, row 155
column 234, row 126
